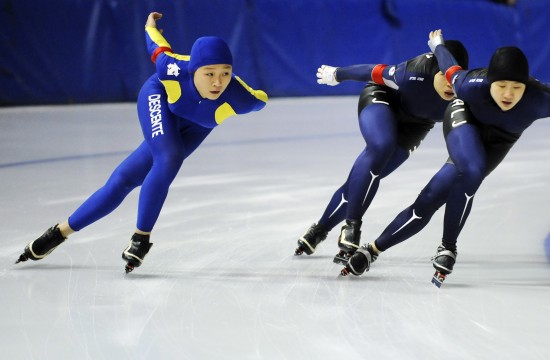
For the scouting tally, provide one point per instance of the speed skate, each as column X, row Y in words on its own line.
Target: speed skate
column 443, row 262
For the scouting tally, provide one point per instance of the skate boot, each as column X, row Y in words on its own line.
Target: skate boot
column 43, row 246
column 361, row 261
column 138, row 247
column 309, row 241
column 348, row 242
column 443, row 262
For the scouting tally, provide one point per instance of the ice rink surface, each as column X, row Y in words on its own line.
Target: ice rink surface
column 221, row 281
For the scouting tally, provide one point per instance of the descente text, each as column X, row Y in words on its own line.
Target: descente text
column 156, row 115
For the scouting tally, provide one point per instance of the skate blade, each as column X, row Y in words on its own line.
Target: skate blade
column 438, row 279
column 22, row 258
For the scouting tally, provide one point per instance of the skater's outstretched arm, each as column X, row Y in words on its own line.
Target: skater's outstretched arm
column 378, row 73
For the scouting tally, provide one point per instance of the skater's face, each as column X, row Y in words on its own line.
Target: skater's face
column 442, row 87
column 212, row 80
column 507, row 93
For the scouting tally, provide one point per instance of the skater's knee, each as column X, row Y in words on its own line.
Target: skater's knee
column 472, row 174
column 121, row 182
column 381, row 146
column 169, row 162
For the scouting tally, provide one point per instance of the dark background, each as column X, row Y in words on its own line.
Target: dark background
column 84, row 51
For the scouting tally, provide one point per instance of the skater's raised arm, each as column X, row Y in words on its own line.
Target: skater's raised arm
column 445, row 59
column 156, row 43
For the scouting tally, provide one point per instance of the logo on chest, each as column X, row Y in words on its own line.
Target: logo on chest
column 173, row 69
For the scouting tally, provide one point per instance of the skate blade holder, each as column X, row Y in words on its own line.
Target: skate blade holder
column 438, row 279
column 128, row 268
column 342, row 258
column 344, row 272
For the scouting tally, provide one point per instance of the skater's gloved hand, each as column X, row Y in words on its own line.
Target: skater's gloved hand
column 327, row 75
column 436, row 38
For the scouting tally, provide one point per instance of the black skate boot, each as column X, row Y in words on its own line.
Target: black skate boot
column 138, row 247
column 361, row 261
column 309, row 241
column 43, row 246
column 348, row 242
column 443, row 262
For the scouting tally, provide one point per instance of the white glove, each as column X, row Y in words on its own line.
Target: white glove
column 436, row 38
column 327, row 75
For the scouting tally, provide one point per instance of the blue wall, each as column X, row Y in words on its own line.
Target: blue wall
column 76, row 51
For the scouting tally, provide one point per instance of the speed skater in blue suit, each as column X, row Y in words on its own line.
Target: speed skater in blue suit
column 178, row 106
column 397, row 108
column 494, row 106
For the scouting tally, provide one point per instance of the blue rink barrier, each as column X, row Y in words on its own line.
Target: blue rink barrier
column 66, row 51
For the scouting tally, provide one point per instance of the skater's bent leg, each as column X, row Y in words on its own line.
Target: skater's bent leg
column 155, row 189
column 468, row 155
column 379, row 129
column 414, row 218
column 169, row 152
column 165, row 145
column 400, row 155
column 127, row 176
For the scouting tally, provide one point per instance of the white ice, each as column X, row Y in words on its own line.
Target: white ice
column 221, row 281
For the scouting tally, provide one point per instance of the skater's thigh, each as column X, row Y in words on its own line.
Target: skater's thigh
column 160, row 127
column 378, row 124
column 467, row 151
column 135, row 167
